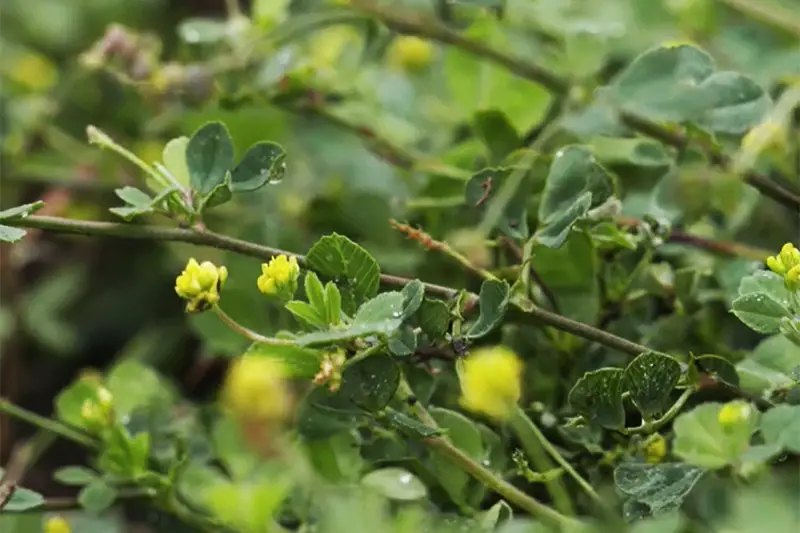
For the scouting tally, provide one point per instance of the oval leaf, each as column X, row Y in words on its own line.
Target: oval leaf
column 493, row 304
column 395, row 484
column 263, row 163
column 598, row 397
column 651, row 378
column 209, row 157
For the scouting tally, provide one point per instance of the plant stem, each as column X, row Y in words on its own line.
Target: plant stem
column 58, row 428
column 530, row 434
column 505, row 489
column 672, row 412
column 246, row 332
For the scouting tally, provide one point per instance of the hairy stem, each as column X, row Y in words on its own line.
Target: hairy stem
column 57, row 428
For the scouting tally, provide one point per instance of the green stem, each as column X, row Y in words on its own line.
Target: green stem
column 505, row 489
column 654, row 425
column 360, row 356
column 96, row 136
column 405, row 393
column 246, row 332
column 526, row 429
column 535, row 451
column 57, row 428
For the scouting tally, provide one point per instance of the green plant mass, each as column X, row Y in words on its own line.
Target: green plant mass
column 345, row 266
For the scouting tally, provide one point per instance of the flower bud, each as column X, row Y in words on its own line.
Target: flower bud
column 734, row 414
column 410, row 53
column 787, row 264
column 655, row 449
column 279, row 277
column 255, row 389
column 200, row 284
column 56, row 524
column 491, row 382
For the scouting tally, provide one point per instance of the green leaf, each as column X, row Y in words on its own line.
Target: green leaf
column 371, row 383
column 174, row 157
column 300, row 363
column 75, row 475
column 760, row 312
column 781, row 425
column 315, row 293
column 702, row 441
column 383, row 328
column 97, row 496
column 598, row 397
column 660, row 487
column 333, row 303
column 23, row 500
column 315, row 421
column 679, row 84
column 413, row 292
column 396, row 484
column 411, row 427
column 650, row 378
column 766, row 282
column 21, row 211
column 573, row 173
column 720, row 368
column 385, row 306
column 219, row 195
column 770, row 365
column 307, row 313
column 632, row 151
column 571, row 274
column 557, row 231
column 263, row 163
column 497, row 133
column 338, row 458
column 134, row 385
column 209, row 157
column 10, row 234
column 433, row 318
column 355, row 271
column 403, row 342
column 484, row 185
column 464, row 434
column 133, row 196
column 493, row 303
column 70, row 400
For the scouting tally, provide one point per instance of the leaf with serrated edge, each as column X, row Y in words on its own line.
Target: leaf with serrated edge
column 650, row 378
column 598, row 397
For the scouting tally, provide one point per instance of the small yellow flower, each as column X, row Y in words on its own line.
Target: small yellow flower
column 200, row 284
column 409, row 52
column 734, row 414
column 255, row 389
column 56, row 524
column 279, row 277
column 787, row 264
column 655, row 449
column 491, row 382
column 98, row 412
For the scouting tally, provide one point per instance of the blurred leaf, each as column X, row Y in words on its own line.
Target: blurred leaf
column 23, row 500
column 661, row 487
column 650, row 378
column 395, row 484
column 720, row 368
column 70, row 400
column 338, row 458
column 263, row 163
column 135, row 385
column 371, row 383
column 97, row 496
column 433, row 317
column 781, row 425
column 464, row 434
column 300, row 363
column 174, row 157
column 701, row 440
column 598, row 397
column 493, row 303
column 11, row 234
column 633, row 151
column 770, row 365
column 75, row 475
column 209, row 157
column 497, row 133
column 202, row 30
column 483, row 187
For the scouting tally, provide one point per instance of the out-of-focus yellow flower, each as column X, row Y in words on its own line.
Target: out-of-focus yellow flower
column 410, row 53
column 98, row 412
column 56, row 524
column 200, row 284
column 256, row 390
column 490, row 382
column 787, row 264
column 734, row 414
column 279, row 277
column 655, row 449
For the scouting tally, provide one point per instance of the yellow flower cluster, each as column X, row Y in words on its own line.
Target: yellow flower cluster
column 787, row 264
column 256, row 390
column 491, row 382
column 200, row 285
column 56, row 524
column 279, row 277
column 410, row 52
